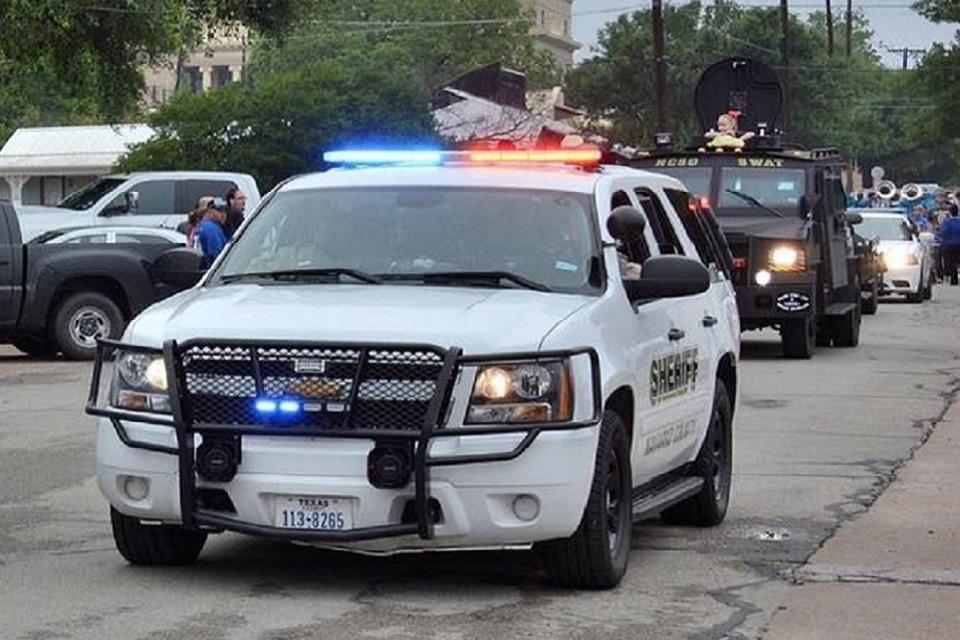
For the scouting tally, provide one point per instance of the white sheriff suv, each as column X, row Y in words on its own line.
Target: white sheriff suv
column 434, row 350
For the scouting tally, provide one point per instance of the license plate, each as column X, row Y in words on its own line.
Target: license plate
column 318, row 513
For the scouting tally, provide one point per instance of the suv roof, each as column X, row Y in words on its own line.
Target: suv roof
column 549, row 177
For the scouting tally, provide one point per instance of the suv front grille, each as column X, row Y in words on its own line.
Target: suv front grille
column 334, row 387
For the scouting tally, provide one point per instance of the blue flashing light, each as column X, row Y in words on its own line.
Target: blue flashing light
column 289, row 406
column 266, row 406
column 421, row 157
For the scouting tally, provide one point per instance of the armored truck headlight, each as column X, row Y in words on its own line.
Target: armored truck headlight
column 140, row 383
column 522, row 392
column 787, row 257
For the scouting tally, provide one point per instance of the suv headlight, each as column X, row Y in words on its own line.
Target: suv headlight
column 140, row 382
column 787, row 257
column 522, row 392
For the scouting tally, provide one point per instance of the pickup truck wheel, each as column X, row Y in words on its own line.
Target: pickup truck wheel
column 33, row 346
column 84, row 318
column 596, row 555
column 715, row 465
column 155, row 545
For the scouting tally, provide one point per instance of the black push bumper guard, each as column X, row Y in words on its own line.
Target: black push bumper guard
column 432, row 428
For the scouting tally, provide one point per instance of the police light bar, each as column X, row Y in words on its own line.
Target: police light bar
column 396, row 157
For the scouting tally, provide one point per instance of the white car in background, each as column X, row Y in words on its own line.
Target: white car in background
column 112, row 235
column 908, row 259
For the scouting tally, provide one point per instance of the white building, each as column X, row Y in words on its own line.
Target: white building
column 42, row 165
column 553, row 21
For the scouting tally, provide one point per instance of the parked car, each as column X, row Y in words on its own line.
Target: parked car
column 111, row 235
column 907, row 258
column 155, row 199
column 66, row 296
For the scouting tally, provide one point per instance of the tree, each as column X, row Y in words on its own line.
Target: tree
column 432, row 41
column 73, row 60
column 280, row 126
column 833, row 98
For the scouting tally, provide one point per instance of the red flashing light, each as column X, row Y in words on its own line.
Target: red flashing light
column 739, row 263
column 582, row 157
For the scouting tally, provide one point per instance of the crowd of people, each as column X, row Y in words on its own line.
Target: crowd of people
column 213, row 222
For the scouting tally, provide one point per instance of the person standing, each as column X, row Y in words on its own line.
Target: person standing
column 236, row 204
column 919, row 218
column 948, row 237
column 210, row 236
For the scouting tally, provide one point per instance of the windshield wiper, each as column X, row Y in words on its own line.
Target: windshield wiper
column 296, row 274
column 749, row 198
column 486, row 277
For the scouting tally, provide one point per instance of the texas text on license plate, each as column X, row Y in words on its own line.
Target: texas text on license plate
column 319, row 513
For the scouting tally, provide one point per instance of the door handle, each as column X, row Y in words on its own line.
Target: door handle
column 709, row 321
column 676, row 334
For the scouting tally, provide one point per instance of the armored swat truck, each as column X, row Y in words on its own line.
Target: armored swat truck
column 781, row 207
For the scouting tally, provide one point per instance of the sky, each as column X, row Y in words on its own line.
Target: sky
column 894, row 24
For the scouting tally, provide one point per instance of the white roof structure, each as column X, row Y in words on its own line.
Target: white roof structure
column 65, row 151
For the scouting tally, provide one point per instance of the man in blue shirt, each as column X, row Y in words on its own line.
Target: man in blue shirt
column 948, row 237
column 210, row 237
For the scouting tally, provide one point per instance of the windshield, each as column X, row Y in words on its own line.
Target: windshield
column 47, row 236
column 884, row 228
column 89, row 195
column 777, row 188
column 541, row 236
column 696, row 179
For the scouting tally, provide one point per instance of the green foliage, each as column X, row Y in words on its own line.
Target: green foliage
column 939, row 10
column 68, row 61
column 279, row 126
column 430, row 53
column 834, row 99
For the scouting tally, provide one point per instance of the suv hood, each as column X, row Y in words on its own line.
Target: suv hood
column 765, row 227
column 478, row 320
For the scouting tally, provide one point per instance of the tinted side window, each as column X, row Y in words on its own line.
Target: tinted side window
column 682, row 204
column 99, row 238
column 189, row 191
column 636, row 251
column 155, row 199
column 659, row 222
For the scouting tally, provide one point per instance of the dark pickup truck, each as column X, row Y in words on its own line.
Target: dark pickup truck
column 64, row 297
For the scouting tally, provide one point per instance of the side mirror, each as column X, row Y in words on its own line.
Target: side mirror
column 668, row 277
column 854, row 218
column 626, row 224
column 180, row 268
column 132, row 199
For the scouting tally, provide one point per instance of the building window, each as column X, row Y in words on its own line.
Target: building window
column 221, row 76
column 566, row 27
column 191, row 80
column 543, row 17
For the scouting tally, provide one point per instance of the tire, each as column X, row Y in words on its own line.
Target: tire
column 869, row 306
column 34, row 346
column 928, row 290
column 846, row 329
column 715, row 465
column 82, row 319
column 798, row 338
column 596, row 555
column 155, row 545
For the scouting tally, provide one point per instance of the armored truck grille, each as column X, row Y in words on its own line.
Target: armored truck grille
column 325, row 387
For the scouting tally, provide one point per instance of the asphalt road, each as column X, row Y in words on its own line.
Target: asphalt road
column 816, row 442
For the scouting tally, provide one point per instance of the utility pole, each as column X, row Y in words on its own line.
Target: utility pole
column 829, row 29
column 659, row 64
column 785, row 59
column 849, row 27
column 905, row 51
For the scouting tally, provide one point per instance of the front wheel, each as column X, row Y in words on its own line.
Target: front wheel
column 798, row 337
column 846, row 332
column 715, row 465
column 596, row 555
column 155, row 544
column 870, row 305
column 82, row 320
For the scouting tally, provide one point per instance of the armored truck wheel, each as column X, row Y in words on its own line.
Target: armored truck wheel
column 715, row 465
column 798, row 338
column 155, row 545
column 596, row 555
column 870, row 305
column 846, row 329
